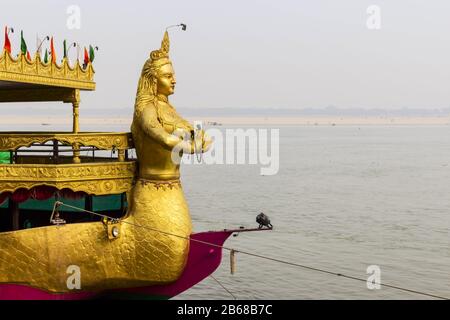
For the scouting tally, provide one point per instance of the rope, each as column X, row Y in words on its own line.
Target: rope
column 231, row 294
column 257, row 255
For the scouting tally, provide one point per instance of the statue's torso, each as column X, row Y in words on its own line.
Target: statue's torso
column 155, row 161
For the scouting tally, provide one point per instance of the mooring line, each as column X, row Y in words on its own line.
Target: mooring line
column 58, row 204
column 230, row 293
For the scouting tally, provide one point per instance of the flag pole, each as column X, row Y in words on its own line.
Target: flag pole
column 72, row 45
column 40, row 45
column 78, row 53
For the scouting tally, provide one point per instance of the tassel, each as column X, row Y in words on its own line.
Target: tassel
column 233, row 261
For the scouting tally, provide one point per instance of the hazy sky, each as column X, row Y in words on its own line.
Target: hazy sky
column 289, row 54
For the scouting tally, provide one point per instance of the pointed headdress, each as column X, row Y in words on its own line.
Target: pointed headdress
column 161, row 57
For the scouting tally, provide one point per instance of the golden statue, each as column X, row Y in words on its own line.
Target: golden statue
column 136, row 255
column 158, row 131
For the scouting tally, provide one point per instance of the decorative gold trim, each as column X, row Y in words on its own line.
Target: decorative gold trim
column 161, row 184
column 36, row 72
column 12, row 141
column 95, row 179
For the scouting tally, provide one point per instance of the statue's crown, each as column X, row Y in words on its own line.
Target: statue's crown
column 164, row 51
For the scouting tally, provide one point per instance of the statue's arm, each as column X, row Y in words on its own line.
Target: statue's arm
column 151, row 127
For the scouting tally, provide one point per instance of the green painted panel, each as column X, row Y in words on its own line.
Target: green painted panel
column 47, row 205
column 5, row 157
column 106, row 203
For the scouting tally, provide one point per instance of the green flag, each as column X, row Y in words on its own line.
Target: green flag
column 65, row 49
column 23, row 45
column 91, row 54
column 46, row 56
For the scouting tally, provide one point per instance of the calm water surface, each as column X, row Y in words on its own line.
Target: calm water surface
column 345, row 198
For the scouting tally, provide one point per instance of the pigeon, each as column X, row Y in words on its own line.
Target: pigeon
column 263, row 221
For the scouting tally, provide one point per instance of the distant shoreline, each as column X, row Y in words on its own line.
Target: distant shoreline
column 301, row 121
column 326, row 120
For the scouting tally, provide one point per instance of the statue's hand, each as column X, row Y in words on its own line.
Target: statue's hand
column 203, row 142
column 207, row 143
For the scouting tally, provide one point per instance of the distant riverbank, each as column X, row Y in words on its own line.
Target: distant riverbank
column 301, row 121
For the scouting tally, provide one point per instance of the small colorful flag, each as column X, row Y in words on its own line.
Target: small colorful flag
column 46, row 56
column 91, row 54
column 28, row 55
column 86, row 57
column 65, row 49
column 23, row 44
column 52, row 51
column 7, row 45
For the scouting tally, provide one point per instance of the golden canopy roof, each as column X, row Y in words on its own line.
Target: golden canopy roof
column 23, row 80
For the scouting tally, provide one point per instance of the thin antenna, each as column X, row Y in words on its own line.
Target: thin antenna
column 72, row 45
column 47, row 38
column 182, row 25
column 78, row 51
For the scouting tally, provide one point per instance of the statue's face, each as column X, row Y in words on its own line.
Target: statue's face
column 166, row 80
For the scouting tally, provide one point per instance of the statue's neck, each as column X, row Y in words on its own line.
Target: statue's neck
column 163, row 98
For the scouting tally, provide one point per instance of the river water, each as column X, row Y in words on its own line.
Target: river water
column 345, row 198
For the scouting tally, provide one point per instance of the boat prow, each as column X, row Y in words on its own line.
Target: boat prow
column 63, row 210
column 205, row 256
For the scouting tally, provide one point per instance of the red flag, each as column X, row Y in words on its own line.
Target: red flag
column 86, row 57
column 28, row 55
column 7, row 46
column 52, row 49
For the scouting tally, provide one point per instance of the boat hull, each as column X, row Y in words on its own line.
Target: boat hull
column 202, row 261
